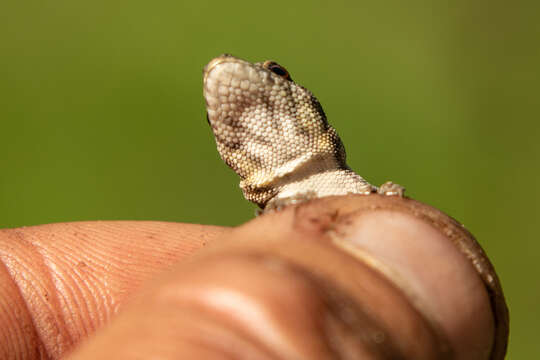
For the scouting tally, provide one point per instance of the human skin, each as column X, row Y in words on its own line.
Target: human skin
column 343, row 277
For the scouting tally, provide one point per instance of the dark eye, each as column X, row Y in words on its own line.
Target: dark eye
column 277, row 69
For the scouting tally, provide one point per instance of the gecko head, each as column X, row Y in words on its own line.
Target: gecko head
column 265, row 125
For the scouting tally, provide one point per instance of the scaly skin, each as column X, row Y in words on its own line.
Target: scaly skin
column 274, row 134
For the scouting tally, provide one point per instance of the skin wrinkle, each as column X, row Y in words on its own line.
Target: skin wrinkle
column 100, row 298
column 220, row 335
column 56, row 294
column 255, row 318
column 93, row 285
column 352, row 318
column 79, row 296
column 222, row 349
column 11, row 331
column 353, row 323
column 71, row 289
column 203, row 300
column 52, row 350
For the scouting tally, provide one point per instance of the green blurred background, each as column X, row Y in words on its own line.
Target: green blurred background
column 102, row 115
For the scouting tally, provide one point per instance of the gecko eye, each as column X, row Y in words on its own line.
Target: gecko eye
column 277, row 69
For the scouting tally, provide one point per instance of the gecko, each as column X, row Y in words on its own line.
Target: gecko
column 274, row 134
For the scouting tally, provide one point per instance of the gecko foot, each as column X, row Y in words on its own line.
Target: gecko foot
column 391, row 189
